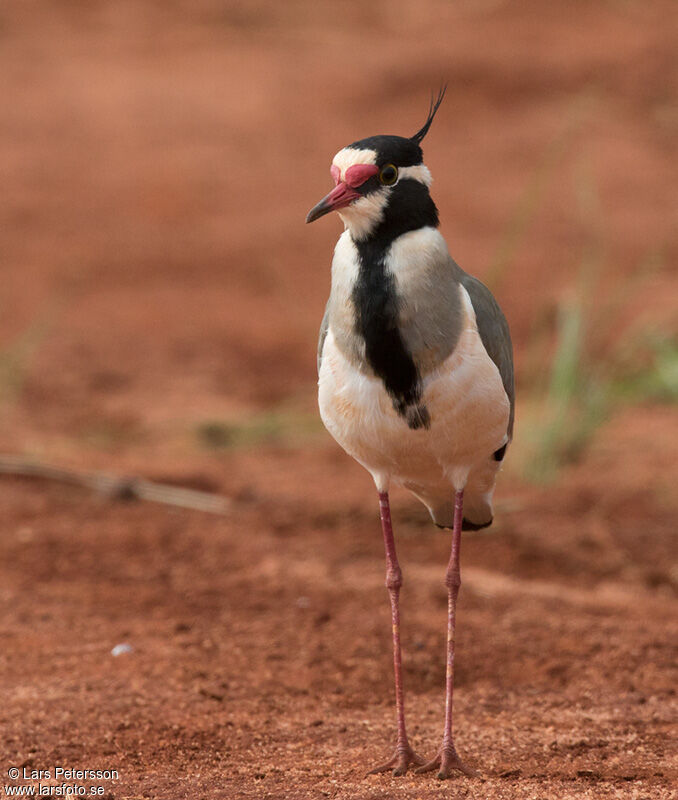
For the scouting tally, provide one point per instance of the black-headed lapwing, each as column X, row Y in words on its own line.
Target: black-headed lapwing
column 415, row 370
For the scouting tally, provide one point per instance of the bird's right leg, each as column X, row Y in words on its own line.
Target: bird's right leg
column 404, row 755
column 447, row 759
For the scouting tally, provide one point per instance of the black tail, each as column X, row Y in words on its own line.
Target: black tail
column 467, row 525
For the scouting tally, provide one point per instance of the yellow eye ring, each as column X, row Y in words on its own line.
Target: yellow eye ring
column 388, row 174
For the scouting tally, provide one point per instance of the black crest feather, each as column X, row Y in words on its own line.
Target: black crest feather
column 433, row 108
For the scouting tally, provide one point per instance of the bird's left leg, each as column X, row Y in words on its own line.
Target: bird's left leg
column 404, row 755
column 447, row 758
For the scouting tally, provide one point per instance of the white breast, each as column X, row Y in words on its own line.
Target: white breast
column 465, row 398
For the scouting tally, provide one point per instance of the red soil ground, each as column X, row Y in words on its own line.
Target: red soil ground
column 156, row 164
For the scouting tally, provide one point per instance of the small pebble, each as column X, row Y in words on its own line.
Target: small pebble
column 121, row 649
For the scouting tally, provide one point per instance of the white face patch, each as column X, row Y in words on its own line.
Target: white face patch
column 363, row 215
column 417, row 173
column 348, row 158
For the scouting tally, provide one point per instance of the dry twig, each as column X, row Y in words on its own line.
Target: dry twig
column 119, row 487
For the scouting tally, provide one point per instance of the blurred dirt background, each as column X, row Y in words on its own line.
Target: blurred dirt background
column 159, row 303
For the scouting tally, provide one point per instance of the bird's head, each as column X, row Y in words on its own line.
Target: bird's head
column 381, row 180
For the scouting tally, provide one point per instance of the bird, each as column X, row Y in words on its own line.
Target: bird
column 415, row 374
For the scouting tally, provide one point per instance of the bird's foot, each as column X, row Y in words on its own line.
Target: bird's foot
column 401, row 760
column 448, row 761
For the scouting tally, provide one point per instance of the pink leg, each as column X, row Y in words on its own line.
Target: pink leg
column 447, row 758
column 404, row 755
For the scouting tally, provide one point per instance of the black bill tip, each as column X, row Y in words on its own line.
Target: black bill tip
column 319, row 210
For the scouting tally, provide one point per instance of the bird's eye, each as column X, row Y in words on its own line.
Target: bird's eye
column 388, row 175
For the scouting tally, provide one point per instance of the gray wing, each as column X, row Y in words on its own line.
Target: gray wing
column 324, row 325
column 494, row 334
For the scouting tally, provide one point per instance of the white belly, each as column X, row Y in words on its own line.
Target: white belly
column 466, row 401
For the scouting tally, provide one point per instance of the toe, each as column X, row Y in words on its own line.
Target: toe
column 381, row 768
column 400, row 763
column 453, row 763
column 428, row 766
column 448, row 763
